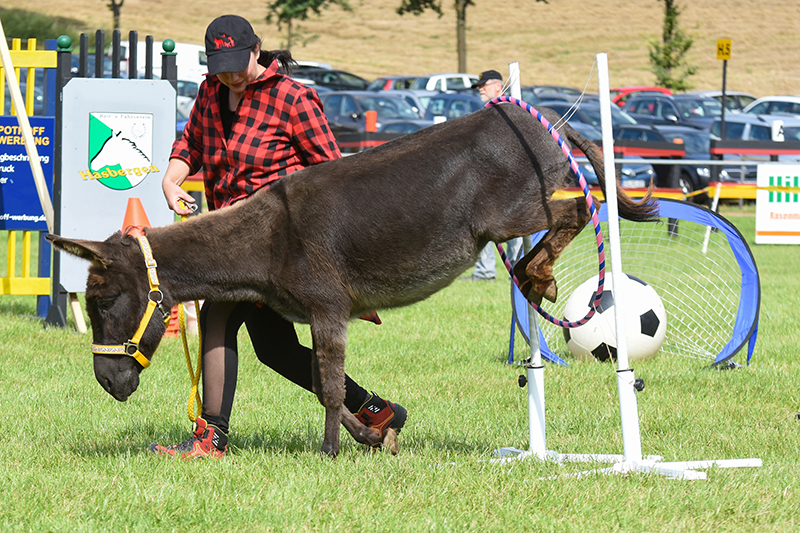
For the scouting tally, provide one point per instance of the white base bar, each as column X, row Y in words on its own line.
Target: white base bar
column 687, row 470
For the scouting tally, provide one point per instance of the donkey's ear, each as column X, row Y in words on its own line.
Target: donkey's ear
column 95, row 251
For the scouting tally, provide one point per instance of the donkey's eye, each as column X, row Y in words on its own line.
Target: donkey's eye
column 104, row 304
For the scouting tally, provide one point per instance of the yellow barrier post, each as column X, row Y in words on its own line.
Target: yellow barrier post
column 13, row 61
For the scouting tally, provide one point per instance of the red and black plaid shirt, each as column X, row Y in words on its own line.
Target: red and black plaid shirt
column 279, row 128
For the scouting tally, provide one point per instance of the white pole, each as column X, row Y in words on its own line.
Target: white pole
column 514, row 80
column 535, row 368
column 631, row 437
column 25, row 126
column 714, row 204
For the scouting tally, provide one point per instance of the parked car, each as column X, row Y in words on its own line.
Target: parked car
column 694, row 141
column 447, row 106
column 620, row 95
column 387, row 83
column 529, row 96
column 338, row 80
column 772, row 105
column 749, row 127
column 345, row 110
column 91, row 62
column 416, row 99
column 633, row 175
column 38, row 97
column 734, row 100
column 190, row 60
column 535, row 94
column 588, row 113
column 313, row 64
column 406, row 126
column 444, row 82
column 685, row 110
column 560, row 89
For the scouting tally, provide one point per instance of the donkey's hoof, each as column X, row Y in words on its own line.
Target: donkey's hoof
column 329, row 452
column 551, row 293
column 390, row 441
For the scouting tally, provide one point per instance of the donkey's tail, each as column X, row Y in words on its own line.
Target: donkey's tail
column 644, row 210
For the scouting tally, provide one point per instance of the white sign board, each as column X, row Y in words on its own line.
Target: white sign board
column 117, row 137
column 778, row 212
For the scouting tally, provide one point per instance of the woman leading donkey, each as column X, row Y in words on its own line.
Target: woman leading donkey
column 250, row 126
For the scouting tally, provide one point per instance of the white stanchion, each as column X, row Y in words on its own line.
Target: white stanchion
column 632, row 460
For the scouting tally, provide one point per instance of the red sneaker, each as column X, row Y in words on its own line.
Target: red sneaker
column 206, row 441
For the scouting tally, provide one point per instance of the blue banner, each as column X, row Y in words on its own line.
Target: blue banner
column 20, row 208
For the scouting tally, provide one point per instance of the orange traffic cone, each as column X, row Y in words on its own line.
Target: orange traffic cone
column 174, row 327
column 135, row 218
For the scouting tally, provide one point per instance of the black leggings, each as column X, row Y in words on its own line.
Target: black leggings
column 275, row 343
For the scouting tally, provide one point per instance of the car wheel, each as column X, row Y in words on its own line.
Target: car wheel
column 686, row 185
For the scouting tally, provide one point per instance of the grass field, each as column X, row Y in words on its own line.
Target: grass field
column 555, row 43
column 74, row 459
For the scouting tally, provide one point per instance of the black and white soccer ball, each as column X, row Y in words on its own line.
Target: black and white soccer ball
column 645, row 321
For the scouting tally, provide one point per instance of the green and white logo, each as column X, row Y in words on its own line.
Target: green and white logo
column 120, row 148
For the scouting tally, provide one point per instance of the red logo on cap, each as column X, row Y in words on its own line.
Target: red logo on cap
column 225, row 41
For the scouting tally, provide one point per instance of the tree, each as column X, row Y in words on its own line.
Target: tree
column 286, row 12
column 115, row 9
column 418, row 6
column 667, row 58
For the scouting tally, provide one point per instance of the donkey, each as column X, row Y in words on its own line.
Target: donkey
column 384, row 228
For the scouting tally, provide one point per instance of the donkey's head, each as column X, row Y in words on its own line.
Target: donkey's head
column 117, row 296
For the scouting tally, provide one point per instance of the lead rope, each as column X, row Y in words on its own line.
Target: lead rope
column 194, row 394
column 601, row 255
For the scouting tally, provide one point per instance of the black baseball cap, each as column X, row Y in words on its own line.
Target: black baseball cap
column 486, row 76
column 229, row 39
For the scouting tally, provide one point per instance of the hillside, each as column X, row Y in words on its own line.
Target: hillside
column 554, row 43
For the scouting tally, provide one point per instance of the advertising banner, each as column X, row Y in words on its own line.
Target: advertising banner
column 777, row 211
column 117, row 137
column 20, row 208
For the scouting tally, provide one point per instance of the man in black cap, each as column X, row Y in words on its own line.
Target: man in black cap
column 490, row 85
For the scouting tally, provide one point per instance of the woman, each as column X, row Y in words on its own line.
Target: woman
column 249, row 127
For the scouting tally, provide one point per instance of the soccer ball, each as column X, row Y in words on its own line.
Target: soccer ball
column 645, row 321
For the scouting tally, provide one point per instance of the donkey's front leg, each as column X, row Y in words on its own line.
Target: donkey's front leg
column 330, row 339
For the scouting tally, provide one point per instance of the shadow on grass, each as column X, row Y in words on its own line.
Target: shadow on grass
column 135, row 439
column 18, row 306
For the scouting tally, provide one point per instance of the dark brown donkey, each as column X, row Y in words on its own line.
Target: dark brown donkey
column 385, row 228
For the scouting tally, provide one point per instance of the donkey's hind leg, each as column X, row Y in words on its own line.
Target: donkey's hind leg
column 535, row 270
column 369, row 436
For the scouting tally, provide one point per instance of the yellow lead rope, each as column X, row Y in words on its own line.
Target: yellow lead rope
column 194, row 394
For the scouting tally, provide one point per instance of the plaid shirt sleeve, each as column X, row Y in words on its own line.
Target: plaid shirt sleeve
column 310, row 131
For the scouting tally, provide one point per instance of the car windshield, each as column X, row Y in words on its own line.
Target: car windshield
column 388, row 107
column 420, row 83
column 693, row 143
column 705, row 107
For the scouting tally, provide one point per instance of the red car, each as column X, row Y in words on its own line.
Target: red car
column 619, row 95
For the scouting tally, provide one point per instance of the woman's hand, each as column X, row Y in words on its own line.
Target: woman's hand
column 178, row 200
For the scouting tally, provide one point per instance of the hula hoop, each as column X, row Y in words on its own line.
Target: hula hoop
column 576, row 169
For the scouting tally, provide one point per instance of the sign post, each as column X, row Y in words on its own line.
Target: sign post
column 724, row 54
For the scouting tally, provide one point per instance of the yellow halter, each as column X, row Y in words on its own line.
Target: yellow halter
column 154, row 299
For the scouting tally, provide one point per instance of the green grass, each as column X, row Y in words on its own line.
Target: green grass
column 74, row 458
